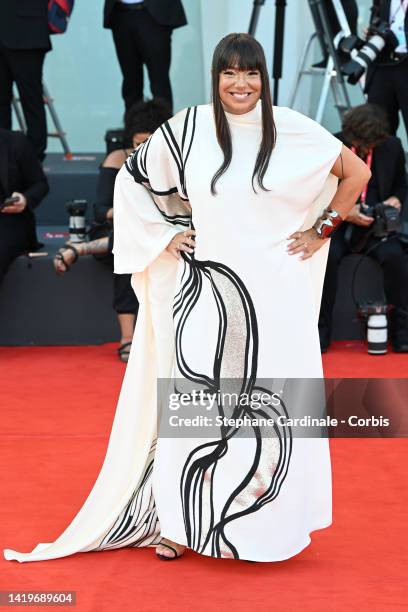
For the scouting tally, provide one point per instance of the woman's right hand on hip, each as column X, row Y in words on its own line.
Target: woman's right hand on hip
column 182, row 241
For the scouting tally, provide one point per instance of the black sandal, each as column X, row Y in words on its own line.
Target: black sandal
column 124, row 351
column 60, row 257
column 164, row 558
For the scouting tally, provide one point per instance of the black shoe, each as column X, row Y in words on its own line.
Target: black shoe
column 322, row 64
column 399, row 330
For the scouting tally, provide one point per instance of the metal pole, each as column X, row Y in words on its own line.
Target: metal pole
column 278, row 46
column 255, row 16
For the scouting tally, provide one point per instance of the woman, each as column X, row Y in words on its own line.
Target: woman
column 244, row 309
column 141, row 120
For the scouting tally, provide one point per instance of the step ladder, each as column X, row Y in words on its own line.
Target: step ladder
column 331, row 81
column 58, row 130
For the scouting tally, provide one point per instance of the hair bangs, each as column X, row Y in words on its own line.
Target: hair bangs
column 240, row 53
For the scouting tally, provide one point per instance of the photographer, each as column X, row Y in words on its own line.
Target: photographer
column 387, row 77
column 366, row 131
column 23, row 180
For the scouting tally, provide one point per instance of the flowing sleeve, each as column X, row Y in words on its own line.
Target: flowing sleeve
column 318, row 150
column 313, row 152
column 150, row 200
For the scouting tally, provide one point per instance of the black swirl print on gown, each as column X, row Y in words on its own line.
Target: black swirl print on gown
column 138, row 524
column 235, row 359
column 171, row 200
column 234, row 367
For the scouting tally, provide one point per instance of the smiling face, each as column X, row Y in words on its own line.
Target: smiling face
column 239, row 90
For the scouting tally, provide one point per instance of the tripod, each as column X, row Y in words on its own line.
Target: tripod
column 278, row 39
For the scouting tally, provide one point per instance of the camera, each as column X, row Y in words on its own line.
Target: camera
column 77, row 224
column 380, row 36
column 387, row 219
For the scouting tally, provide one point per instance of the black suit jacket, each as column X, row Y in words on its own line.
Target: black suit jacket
column 165, row 12
column 388, row 176
column 21, row 171
column 24, row 24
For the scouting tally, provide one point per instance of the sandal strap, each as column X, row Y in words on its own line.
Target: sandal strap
column 122, row 349
column 170, row 547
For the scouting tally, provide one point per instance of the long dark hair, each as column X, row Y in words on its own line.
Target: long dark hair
column 242, row 51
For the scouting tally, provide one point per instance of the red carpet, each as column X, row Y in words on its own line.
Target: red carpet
column 57, row 407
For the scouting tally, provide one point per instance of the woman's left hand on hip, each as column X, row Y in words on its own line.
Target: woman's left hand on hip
column 307, row 243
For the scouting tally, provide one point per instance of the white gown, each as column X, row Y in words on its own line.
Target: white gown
column 239, row 308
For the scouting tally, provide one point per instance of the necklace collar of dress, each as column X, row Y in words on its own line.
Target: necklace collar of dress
column 251, row 117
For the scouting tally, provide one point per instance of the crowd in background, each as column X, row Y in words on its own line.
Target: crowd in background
column 142, row 32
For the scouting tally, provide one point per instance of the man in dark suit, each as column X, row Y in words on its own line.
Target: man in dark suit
column 24, row 41
column 22, row 177
column 387, row 78
column 365, row 129
column 142, row 32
